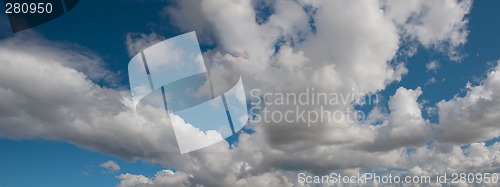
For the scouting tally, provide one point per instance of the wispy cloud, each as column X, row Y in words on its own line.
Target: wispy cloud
column 432, row 66
column 111, row 166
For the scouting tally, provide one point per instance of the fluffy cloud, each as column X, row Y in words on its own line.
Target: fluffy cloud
column 111, row 166
column 44, row 96
column 326, row 60
column 432, row 65
column 180, row 179
column 41, row 96
column 404, row 126
column 473, row 117
column 136, row 42
column 162, row 178
column 432, row 23
column 447, row 159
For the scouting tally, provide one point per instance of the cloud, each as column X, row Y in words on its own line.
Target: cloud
column 111, row 166
column 473, row 117
column 431, row 111
column 136, row 42
column 162, row 178
column 441, row 24
column 405, row 126
column 441, row 158
column 431, row 81
column 43, row 96
column 432, row 66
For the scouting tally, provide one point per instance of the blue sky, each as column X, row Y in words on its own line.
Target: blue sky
column 102, row 26
column 60, row 164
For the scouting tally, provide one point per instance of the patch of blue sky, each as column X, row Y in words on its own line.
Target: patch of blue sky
column 48, row 163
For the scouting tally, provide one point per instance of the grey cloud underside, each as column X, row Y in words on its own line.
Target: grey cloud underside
column 354, row 45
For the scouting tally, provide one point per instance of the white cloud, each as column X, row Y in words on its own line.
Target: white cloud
column 42, row 97
column 431, row 81
column 136, row 42
column 433, row 23
column 473, row 117
column 180, row 179
column 111, row 166
column 405, row 126
column 452, row 158
column 162, row 178
column 431, row 111
column 432, row 66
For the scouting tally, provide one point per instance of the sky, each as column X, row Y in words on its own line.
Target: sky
column 66, row 115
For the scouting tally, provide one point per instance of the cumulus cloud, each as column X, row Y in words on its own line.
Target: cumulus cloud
column 477, row 157
column 136, row 42
column 441, row 24
column 162, row 178
column 111, row 166
column 432, row 66
column 404, row 126
column 473, row 117
column 431, row 81
column 43, row 96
